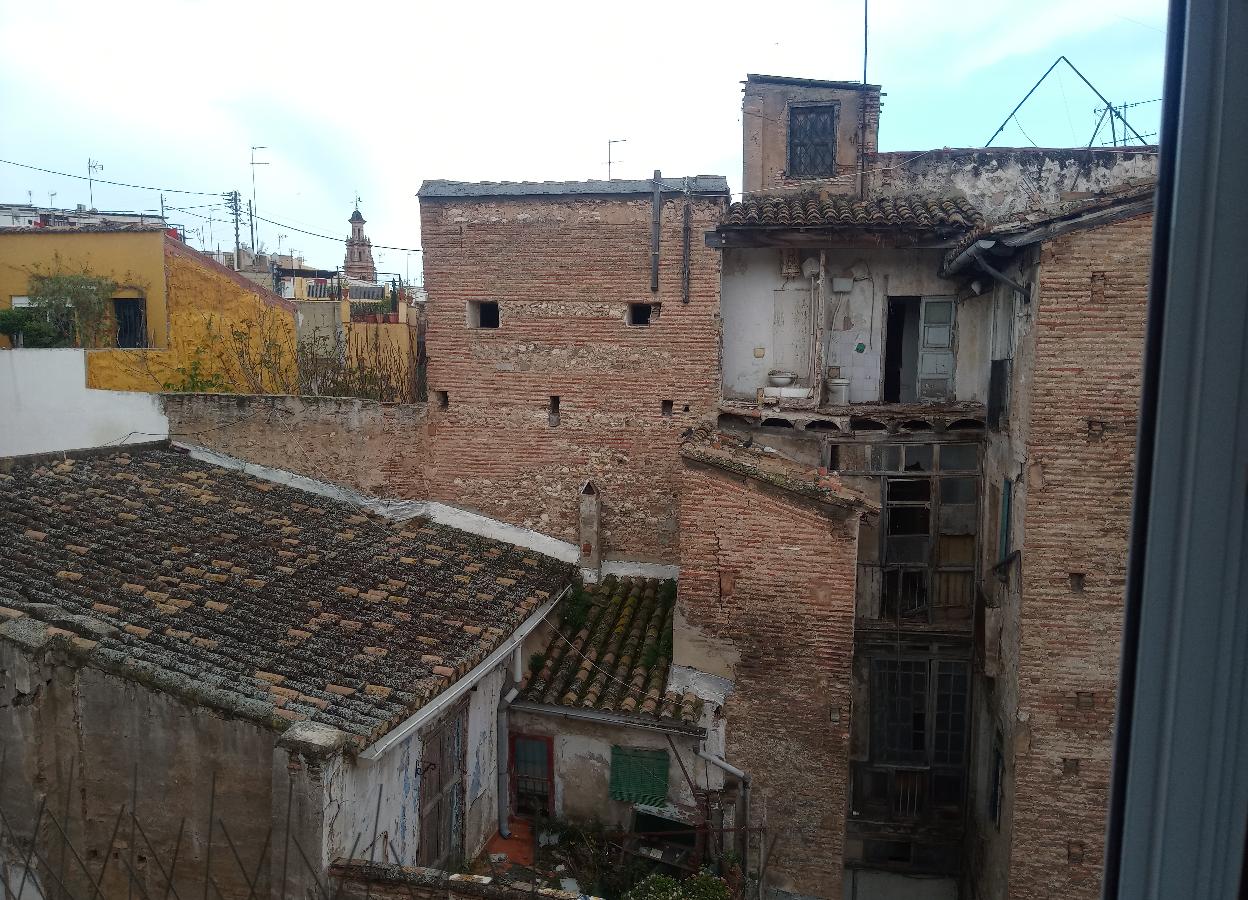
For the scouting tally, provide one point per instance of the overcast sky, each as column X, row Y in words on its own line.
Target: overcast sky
column 375, row 97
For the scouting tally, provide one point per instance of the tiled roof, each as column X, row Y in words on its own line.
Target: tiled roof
column 813, row 210
column 255, row 598
column 612, row 653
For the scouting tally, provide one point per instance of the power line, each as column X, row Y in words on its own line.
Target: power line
column 141, row 187
column 328, row 238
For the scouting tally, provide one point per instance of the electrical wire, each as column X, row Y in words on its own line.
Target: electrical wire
column 141, row 187
column 329, row 238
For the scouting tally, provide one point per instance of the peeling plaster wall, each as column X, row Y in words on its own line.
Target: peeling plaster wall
column 582, row 754
column 752, row 276
column 1003, row 181
column 353, row 790
column 59, row 723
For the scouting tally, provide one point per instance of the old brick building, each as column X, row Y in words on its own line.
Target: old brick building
column 572, row 336
column 914, row 659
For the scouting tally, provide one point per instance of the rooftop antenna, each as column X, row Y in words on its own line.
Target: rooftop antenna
column 609, row 143
column 51, row 195
column 93, row 166
column 1115, row 112
column 30, row 198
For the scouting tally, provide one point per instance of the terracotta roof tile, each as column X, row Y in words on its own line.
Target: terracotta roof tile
column 912, row 213
column 256, row 619
column 612, row 652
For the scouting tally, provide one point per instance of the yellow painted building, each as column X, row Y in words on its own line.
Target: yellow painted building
column 199, row 326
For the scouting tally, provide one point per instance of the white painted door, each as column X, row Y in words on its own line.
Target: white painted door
column 792, row 331
column 936, row 348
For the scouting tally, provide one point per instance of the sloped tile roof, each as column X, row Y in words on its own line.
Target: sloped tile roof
column 835, row 211
column 258, row 599
column 616, row 658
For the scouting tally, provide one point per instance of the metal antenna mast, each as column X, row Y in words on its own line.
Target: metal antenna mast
column 93, row 166
column 251, row 209
column 609, row 143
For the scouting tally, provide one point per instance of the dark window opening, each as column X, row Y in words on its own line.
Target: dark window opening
column 444, row 399
column 812, row 141
column 885, row 852
column 832, row 458
column 483, row 314
column 1070, row 766
column 998, row 393
column 667, row 409
column 959, row 457
column 909, row 489
column 552, row 412
column 899, row 693
column 131, row 322
column 822, row 425
column 640, row 313
column 1077, row 580
column 904, row 594
column 860, row 424
column 777, row 423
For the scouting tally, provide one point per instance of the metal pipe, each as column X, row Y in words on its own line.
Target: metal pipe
column 656, row 206
column 966, row 256
column 743, row 805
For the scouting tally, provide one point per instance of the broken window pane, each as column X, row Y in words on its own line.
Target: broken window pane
column 886, row 458
column 904, row 594
column 959, row 490
column 909, row 520
column 918, row 457
column 909, row 490
column 950, row 731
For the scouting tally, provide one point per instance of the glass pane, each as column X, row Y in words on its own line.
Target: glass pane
column 899, row 695
column 918, row 457
column 959, row 490
column 959, row 458
column 909, row 489
column 886, row 458
column 938, row 313
column 906, row 549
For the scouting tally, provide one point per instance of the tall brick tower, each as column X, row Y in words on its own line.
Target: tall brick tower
column 359, row 259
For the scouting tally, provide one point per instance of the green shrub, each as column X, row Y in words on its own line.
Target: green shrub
column 703, row 886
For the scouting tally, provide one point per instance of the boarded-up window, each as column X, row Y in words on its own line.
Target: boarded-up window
column 639, row 776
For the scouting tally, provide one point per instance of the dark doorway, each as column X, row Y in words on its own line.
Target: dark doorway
column 901, row 337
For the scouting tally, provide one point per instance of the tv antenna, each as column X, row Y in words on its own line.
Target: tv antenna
column 609, row 161
column 93, row 166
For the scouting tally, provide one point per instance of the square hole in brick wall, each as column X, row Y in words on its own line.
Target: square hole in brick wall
column 482, row 314
column 552, row 411
column 1077, row 582
column 1085, row 700
column 1070, row 765
column 443, row 398
column 1074, row 851
column 667, row 409
column 642, row 313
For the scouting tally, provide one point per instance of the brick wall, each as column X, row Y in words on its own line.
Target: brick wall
column 375, row 448
column 769, row 579
column 1085, row 392
column 563, row 271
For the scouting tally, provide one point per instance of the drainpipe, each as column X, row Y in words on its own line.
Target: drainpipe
column 743, row 805
column 502, row 736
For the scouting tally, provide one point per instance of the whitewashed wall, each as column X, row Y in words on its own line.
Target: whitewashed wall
column 46, row 406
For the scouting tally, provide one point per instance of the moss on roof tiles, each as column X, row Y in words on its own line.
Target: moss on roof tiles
column 252, row 597
column 612, row 652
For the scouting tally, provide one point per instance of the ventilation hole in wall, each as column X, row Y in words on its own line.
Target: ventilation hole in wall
column 444, row 399
column 1077, row 582
column 685, row 408
column 1074, row 851
column 483, row 314
column 1085, row 699
column 641, row 313
column 552, row 411
column 857, row 423
column 777, row 423
column 822, row 425
column 966, row 425
column 916, row 425
column 1070, row 765
column 667, row 409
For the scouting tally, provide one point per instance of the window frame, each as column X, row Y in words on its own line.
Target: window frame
column 807, row 107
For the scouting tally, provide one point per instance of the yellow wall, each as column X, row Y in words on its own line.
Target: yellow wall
column 242, row 338
column 242, row 343
column 133, row 259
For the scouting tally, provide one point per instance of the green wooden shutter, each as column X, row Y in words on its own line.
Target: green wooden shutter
column 639, row 776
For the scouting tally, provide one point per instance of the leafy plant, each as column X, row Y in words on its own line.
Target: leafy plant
column 195, row 378
column 77, row 304
column 703, row 886
column 536, row 661
column 576, row 609
column 27, row 328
